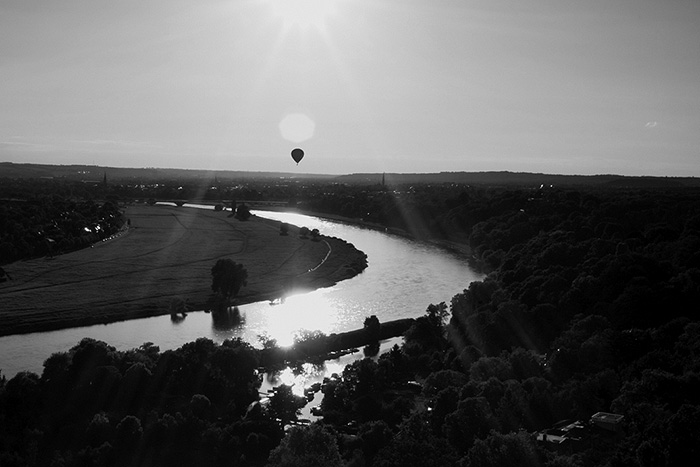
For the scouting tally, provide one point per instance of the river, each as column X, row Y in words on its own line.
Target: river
column 404, row 276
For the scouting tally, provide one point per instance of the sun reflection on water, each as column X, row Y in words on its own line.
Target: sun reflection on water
column 296, row 381
column 305, row 312
column 402, row 279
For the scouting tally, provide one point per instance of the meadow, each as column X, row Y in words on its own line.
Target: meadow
column 161, row 264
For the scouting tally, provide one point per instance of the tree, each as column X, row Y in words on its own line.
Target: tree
column 227, row 278
column 372, row 328
column 243, row 213
column 20, row 403
column 373, row 332
column 374, row 435
column 99, row 430
column 315, row 235
column 285, row 405
column 415, row 444
column 128, row 436
column 437, row 314
column 306, row 447
column 200, row 406
column 472, row 420
column 513, row 449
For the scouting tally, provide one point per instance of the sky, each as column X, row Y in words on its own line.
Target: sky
column 551, row 86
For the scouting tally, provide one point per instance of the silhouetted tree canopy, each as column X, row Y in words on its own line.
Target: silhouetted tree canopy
column 311, row 446
column 243, row 212
column 228, row 277
column 587, row 306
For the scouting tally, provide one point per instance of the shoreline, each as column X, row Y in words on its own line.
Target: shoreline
column 165, row 257
column 329, row 347
column 449, row 245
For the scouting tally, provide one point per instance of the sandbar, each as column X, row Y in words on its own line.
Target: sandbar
column 162, row 260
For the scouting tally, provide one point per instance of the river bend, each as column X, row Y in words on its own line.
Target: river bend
column 404, row 276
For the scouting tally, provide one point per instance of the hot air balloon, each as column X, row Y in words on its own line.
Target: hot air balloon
column 297, row 155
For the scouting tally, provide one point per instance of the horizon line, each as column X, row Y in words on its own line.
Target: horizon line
column 355, row 173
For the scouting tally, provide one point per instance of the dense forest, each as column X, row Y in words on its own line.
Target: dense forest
column 587, row 308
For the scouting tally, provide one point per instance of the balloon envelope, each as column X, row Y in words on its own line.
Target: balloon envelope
column 297, row 155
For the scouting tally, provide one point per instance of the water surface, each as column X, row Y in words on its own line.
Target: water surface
column 404, row 276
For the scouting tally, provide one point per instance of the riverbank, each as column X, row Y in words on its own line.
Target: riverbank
column 323, row 348
column 460, row 247
column 162, row 264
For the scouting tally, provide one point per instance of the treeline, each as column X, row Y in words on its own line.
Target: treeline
column 51, row 224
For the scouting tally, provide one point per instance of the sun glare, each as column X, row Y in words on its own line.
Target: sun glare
column 303, row 13
column 308, row 312
column 297, row 127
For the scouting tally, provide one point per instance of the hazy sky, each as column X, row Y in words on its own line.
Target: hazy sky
column 554, row 86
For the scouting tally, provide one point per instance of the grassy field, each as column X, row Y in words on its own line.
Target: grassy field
column 166, row 256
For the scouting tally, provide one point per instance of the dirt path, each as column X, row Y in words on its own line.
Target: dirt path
column 167, row 254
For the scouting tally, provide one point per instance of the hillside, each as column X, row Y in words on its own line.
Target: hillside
column 520, row 179
column 502, row 178
column 96, row 173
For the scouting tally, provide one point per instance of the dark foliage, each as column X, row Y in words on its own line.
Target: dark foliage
column 227, row 278
column 96, row 405
column 48, row 225
column 587, row 307
column 243, row 212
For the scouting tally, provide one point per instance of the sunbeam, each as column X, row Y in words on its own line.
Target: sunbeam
column 303, row 13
